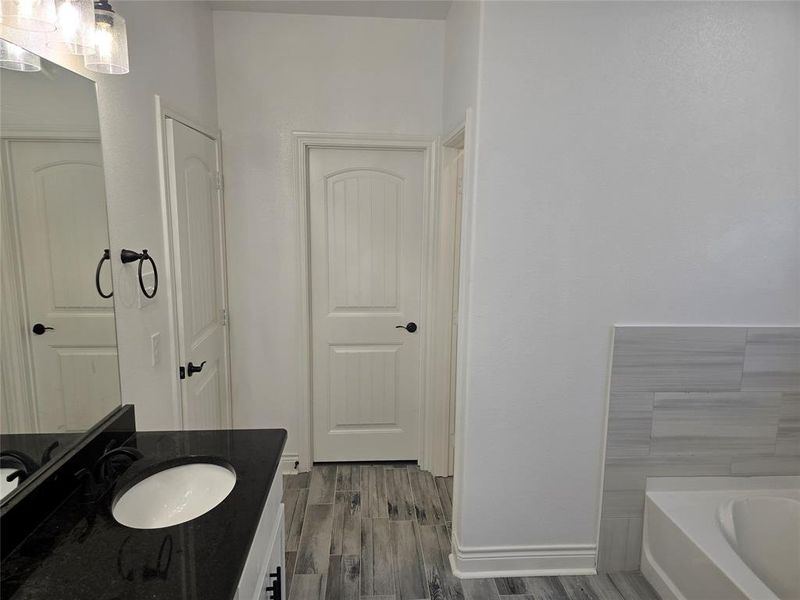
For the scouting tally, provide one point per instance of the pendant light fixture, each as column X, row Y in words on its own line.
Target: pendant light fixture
column 28, row 15
column 75, row 26
column 110, row 42
column 14, row 58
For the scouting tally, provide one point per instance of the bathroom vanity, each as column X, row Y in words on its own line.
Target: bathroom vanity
column 90, row 508
column 79, row 550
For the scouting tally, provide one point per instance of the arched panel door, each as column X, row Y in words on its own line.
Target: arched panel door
column 366, row 219
column 58, row 190
column 199, row 251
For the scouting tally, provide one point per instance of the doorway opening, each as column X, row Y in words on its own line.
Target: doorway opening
column 195, row 230
column 377, row 259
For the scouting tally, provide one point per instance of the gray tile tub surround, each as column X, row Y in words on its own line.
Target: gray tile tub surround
column 788, row 442
column 715, row 423
column 772, row 359
column 678, row 359
column 694, row 401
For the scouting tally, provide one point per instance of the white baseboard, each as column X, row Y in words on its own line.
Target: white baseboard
column 522, row 561
column 288, row 461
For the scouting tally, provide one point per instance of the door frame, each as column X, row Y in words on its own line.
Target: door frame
column 453, row 146
column 177, row 351
column 431, row 420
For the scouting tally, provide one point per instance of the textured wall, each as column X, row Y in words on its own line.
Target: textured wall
column 282, row 73
column 637, row 163
column 171, row 54
column 461, row 47
column 694, row 401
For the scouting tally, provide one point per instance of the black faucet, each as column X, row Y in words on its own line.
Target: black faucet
column 23, row 464
column 48, row 452
column 95, row 482
column 113, row 462
column 89, row 487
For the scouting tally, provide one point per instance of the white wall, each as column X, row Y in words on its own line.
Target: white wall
column 637, row 163
column 461, row 47
column 171, row 54
column 277, row 74
column 460, row 106
column 50, row 100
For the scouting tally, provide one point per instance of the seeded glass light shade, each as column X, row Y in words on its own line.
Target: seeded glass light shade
column 14, row 58
column 110, row 55
column 28, row 15
column 75, row 20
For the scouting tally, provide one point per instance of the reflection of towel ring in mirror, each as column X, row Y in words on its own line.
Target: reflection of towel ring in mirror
column 127, row 256
column 106, row 257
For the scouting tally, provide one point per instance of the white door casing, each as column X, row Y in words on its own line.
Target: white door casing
column 454, row 172
column 366, row 230
column 58, row 190
column 17, row 415
column 198, row 250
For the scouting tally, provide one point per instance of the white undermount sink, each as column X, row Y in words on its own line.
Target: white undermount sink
column 174, row 495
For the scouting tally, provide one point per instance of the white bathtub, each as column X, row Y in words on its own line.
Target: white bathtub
column 723, row 538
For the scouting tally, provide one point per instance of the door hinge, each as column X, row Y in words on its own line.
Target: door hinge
column 223, row 316
column 219, row 180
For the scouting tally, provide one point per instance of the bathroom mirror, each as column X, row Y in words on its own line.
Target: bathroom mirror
column 58, row 363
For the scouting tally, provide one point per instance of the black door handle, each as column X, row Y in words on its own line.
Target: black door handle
column 39, row 329
column 192, row 369
column 410, row 327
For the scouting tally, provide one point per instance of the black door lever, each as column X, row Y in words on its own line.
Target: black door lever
column 410, row 328
column 39, row 329
column 192, row 369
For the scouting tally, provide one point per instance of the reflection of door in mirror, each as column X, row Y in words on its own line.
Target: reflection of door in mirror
column 58, row 357
column 59, row 197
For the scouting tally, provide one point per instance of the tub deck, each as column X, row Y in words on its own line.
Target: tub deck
column 685, row 554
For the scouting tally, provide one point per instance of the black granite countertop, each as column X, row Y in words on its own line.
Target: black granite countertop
column 80, row 551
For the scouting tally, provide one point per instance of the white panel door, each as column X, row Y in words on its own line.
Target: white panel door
column 58, row 189
column 366, row 219
column 198, row 245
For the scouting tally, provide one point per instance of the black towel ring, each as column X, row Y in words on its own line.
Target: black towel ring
column 127, row 256
column 106, row 257
column 146, row 256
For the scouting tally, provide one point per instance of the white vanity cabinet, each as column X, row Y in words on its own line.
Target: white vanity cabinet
column 266, row 552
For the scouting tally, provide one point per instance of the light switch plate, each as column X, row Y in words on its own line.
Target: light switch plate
column 155, row 346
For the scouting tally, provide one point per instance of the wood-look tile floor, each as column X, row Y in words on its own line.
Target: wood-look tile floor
column 382, row 532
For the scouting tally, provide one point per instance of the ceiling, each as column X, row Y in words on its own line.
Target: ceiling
column 398, row 9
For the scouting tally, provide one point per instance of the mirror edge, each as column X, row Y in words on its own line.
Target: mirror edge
column 11, row 501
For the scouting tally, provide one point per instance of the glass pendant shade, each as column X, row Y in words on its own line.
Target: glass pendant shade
column 110, row 42
column 75, row 21
column 28, row 15
column 14, row 58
